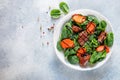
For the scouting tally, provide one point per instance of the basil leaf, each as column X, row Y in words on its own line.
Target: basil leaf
column 64, row 7
column 73, row 59
column 55, row 13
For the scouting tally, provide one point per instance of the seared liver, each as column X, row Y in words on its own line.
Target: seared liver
column 83, row 37
column 76, row 29
column 102, row 37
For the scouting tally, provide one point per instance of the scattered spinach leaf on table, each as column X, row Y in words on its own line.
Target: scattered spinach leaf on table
column 64, row 7
column 55, row 13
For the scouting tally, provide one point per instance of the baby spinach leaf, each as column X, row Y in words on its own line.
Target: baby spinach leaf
column 93, row 57
column 97, row 32
column 97, row 56
column 93, row 19
column 72, row 51
column 68, row 24
column 64, row 7
column 67, row 30
column 109, row 40
column 76, row 48
column 94, row 43
column 96, row 21
column 74, row 36
column 85, row 23
column 102, row 25
column 75, row 41
column 55, row 13
column 90, row 17
column 64, row 33
column 73, row 59
column 88, row 47
column 92, row 37
column 59, row 46
column 69, row 52
column 103, row 55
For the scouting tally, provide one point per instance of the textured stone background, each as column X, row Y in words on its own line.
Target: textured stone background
column 24, row 53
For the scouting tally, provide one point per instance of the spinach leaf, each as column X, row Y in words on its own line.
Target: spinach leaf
column 91, row 44
column 94, row 43
column 67, row 30
column 64, row 7
column 64, row 33
column 69, row 23
column 85, row 23
column 109, row 40
column 73, row 59
column 76, row 48
column 93, row 57
column 76, row 42
column 97, row 32
column 97, row 56
column 74, row 36
column 102, row 25
column 59, row 46
column 101, row 55
column 92, row 37
column 93, row 19
column 96, row 21
column 88, row 47
column 69, row 52
column 90, row 17
column 55, row 13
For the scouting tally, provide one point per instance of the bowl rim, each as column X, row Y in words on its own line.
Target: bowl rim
column 71, row 13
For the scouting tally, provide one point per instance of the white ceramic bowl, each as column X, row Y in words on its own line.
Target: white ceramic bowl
column 57, row 32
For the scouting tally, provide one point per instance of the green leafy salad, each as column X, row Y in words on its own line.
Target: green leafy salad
column 84, row 39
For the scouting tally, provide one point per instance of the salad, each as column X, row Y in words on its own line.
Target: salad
column 84, row 40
